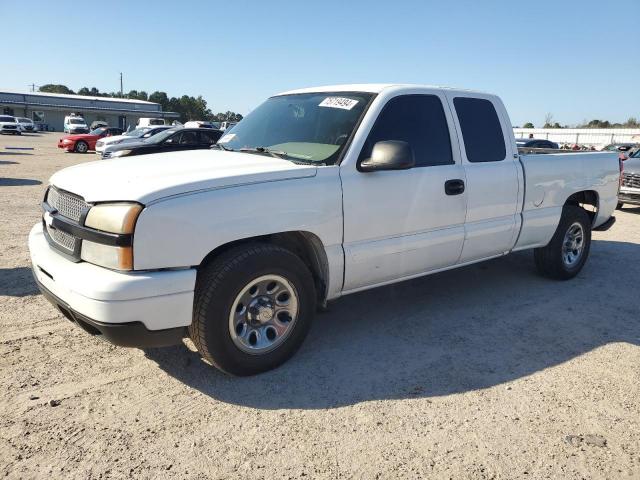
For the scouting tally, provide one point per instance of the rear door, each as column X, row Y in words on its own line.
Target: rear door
column 208, row 137
column 491, row 173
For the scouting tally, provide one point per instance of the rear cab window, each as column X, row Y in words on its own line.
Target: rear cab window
column 481, row 130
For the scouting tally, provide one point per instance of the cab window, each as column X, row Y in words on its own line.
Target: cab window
column 418, row 120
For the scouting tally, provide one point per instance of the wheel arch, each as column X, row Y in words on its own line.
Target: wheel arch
column 306, row 245
column 586, row 199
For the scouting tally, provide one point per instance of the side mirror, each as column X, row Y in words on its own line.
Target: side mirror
column 389, row 155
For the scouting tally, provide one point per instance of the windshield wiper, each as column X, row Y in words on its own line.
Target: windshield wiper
column 222, row 147
column 273, row 153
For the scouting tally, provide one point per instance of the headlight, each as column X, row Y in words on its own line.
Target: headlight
column 117, row 218
column 116, row 142
column 113, row 217
column 120, row 153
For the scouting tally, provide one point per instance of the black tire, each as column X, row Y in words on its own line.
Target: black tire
column 81, row 147
column 619, row 206
column 18, row 133
column 221, row 281
column 549, row 260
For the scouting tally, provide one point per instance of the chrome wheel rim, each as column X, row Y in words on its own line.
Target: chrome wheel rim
column 263, row 314
column 573, row 245
column 82, row 147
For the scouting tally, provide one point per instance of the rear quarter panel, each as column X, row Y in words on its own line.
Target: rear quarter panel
column 551, row 179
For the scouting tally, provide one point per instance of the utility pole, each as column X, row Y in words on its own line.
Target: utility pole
column 33, row 87
column 121, row 89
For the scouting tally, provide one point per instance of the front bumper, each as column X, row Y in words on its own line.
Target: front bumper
column 66, row 146
column 134, row 309
column 629, row 195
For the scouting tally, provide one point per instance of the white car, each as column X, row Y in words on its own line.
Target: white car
column 9, row 124
column 132, row 136
column 316, row 194
column 227, row 125
column 75, row 124
column 149, row 122
column 26, row 124
column 202, row 124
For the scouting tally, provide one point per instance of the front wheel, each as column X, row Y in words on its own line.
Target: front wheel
column 253, row 308
column 567, row 252
column 619, row 206
column 81, row 147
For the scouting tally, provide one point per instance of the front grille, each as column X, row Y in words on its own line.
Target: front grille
column 66, row 204
column 9, row 127
column 631, row 180
column 106, row 154
column 63, row 239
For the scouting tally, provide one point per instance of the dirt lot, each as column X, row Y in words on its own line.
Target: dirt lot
column 484, row 372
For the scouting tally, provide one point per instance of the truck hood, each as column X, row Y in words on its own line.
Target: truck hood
column 147, row 178
column 631, row 165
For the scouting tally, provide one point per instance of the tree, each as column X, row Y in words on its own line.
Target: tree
column 137, row 95
column 548, row 120
column 55, row 88
column 528, row 125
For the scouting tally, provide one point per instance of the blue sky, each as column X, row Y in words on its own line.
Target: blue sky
column 575, row 59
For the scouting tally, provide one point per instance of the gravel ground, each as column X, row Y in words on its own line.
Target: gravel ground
column 488, row 371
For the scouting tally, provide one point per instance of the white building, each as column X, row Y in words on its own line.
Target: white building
column 49, row 109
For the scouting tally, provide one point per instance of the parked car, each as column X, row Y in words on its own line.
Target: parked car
column 75, row 124
column 26, row 124
column 98, row 124
column 202, row 124
column 136, row 135
column 149, row 122
column 84, row 142
column 170, row 140
column 227, row 125
column 630, row 185
column 625, row 149
column 536, row 143
column 316, row 194
column 9, row 124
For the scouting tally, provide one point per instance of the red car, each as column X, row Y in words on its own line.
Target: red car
column 83, row 142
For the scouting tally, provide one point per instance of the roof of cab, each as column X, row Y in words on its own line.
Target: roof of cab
column 368, row 87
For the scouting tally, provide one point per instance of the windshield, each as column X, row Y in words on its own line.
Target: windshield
column 98, row 131
column 76, row 121
column 636, row 154
column 160, row 137
column 138, row 132
column 310, row 127
column 24, row 120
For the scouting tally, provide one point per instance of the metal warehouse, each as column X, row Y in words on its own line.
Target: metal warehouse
column 49, row 109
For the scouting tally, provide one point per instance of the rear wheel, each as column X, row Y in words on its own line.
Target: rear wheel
column 567, row 252
column 253, row 308
column 619, row 206
column 81, row 147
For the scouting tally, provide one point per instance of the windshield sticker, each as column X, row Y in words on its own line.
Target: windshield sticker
column 338, row 102
column 227, row 138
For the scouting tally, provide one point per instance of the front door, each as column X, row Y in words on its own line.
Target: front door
column 402, row 223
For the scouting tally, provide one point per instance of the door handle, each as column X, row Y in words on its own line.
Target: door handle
column 454, row 187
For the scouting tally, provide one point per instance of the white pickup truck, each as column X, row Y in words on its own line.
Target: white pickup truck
column 316, row 194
